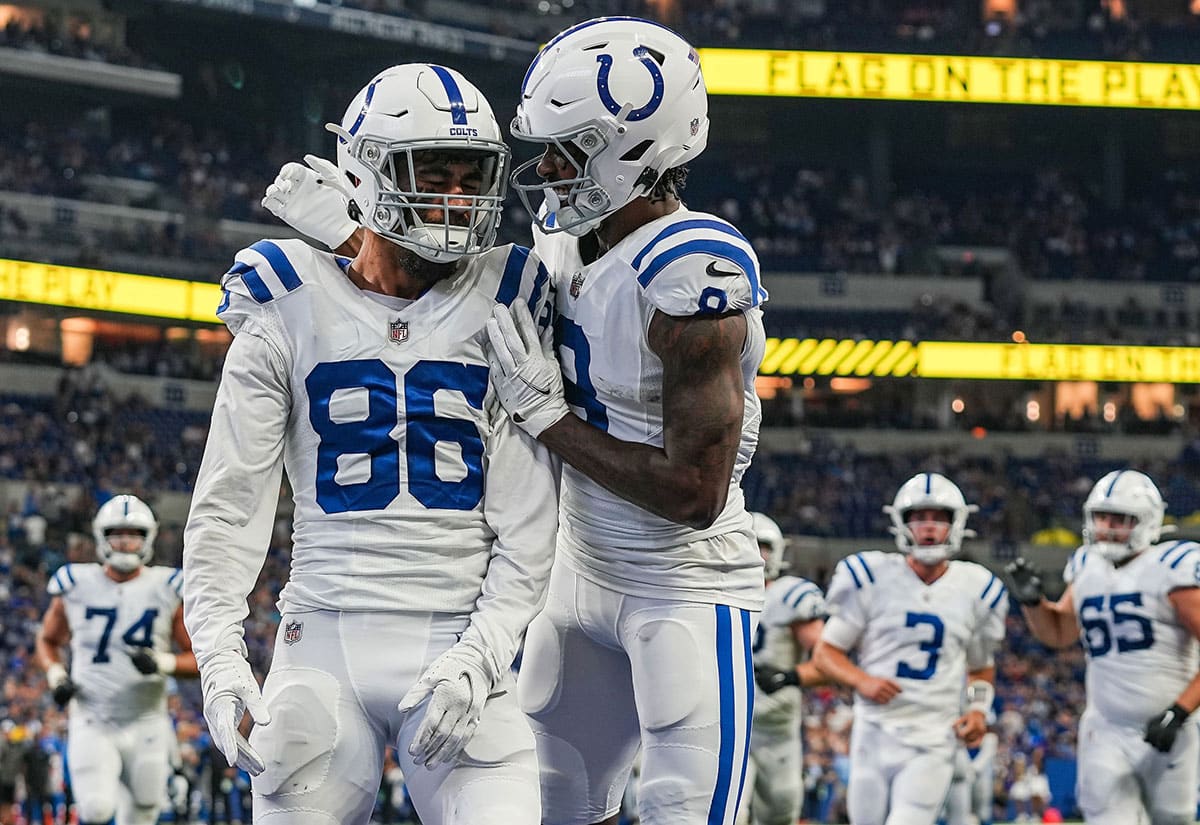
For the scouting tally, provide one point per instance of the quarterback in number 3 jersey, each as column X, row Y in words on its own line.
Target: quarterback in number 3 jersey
column 1135, row 604
column 422, row 538
column 923, row 624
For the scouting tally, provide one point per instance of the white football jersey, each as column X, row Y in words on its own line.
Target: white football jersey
column 915, row 634
column 393, row 432
column 1140, row 657
column 683, row 264
column 108, row 620
column 789, row 599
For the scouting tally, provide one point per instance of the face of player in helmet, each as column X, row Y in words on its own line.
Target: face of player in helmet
column 1115, row 528
column 126, row 544
column 929, row 526
column 445, row 180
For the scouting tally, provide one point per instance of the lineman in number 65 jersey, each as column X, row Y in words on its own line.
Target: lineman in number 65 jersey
column 424, row 520
column 1135, row 604
column 120, row 617
column 925, row 626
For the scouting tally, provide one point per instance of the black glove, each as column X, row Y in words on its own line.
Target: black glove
column 770, row 679
column 1026, row 583
column 144, row 661
column 1162, row 729
column 63, row 693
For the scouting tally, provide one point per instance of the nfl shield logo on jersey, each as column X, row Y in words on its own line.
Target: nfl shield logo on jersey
column 398, row 331
column 576, row 284
column 292, row 632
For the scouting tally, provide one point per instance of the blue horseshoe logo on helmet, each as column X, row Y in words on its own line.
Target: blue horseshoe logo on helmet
column 656, row 97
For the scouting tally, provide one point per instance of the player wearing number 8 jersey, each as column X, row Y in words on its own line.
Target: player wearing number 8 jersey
column 424, row 520
column 925, row 626
column 1135, row 604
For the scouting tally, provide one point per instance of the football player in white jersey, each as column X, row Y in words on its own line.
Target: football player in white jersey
column 120, row 617
column 1135, row 603
column 924, row 625
column 424, row 520
column 646, row 636
column 789, row 628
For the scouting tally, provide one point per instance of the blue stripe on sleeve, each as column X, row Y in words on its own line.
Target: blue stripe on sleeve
column 991, row 581
column 279, row 262
column 458, row 109
column 510, row 282
column 684, row 226
column 1172, row 548
column 708, row 246
column 174, row 576
column 539, row 284
column 866, row 569
column 1003, row 592
column 56, row 579
column 1182, row 556
column 254, row 283
column 853, row 575
column 224, row 305
column 70, row 575
column 716, row 809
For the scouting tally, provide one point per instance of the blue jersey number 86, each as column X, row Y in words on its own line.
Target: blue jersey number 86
column 372, row 435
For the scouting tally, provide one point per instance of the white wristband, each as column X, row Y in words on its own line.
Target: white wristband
column 166, row 662
column 56, row 674
column 980, row 695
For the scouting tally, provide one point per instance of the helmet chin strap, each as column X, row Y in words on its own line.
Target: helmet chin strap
column 930, row 554
column 124, row 562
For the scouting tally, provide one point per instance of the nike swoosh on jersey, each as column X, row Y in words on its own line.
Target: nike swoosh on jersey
column 713, row 272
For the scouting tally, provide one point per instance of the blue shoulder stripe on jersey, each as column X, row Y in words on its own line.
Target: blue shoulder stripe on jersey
column 1172, row 548
column 1182, row 556
column 253, row 281
column 991, row 581
column 797, row 586
column 458, row 109
column 70, row 575
column 224, row 305
column 279, row 262
column 1003, row 592
column 57, row 579
column 1185, row 548
column 866, row 569
column 175, row 575
column 684, row 226
column 853, row 575
column 510, row 282
column 539, row 283
column 709, row 246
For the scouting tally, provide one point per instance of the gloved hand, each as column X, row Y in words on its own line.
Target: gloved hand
column 61, row 686
column 311, row 200
column 1026, row 583
column 770, row 679
column 229, row 691
column 457, row 685
column 1162, row 729
column 525, row 372
column 150, row 662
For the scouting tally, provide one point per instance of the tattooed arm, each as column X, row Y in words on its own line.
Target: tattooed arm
column 687, row 479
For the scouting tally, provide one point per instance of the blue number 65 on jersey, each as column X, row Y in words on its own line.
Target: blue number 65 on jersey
column 372, row 435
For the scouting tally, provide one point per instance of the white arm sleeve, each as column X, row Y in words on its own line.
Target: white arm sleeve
column 233, row 508
column 520, row 502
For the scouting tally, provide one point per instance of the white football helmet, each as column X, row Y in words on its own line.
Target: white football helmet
column 932, row 491
column 124, row 512
column 628, row 96
column 767, row 532
column 1129, row 493
column 408, row 109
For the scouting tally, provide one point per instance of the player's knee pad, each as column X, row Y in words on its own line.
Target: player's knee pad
column 294, row 816
column 539, row 683
column 143, row 814
column 508, row 800
column 92, row 808
column 777, row 801
column 147, row 777
column 503, row 734
column 297, row 747
column 672, row 648
column 677, row 785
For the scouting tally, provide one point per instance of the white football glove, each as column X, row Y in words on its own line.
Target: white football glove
column 229, row 691
column 457, row 684
column 311, row 200
column 525, row 371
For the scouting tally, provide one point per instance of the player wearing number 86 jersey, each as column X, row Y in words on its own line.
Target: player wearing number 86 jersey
column 923, row 624
column 424, row 520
